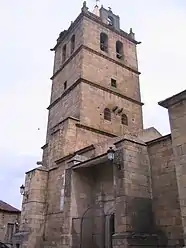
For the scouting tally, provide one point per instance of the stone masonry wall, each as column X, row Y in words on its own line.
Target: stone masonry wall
column 55, row 207
column 92, row 38
column 103, row 189
column 164, row 190
column 34, row 207
column 94, row 101
column 78, row 32
column 66, row 107
column 63, row 141
column 70, row 74
column 177, row 116
column 101, row 70
column 5, row 219
column 92, row 196
column 133, row 201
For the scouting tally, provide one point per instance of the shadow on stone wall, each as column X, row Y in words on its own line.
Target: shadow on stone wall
column 143, row 230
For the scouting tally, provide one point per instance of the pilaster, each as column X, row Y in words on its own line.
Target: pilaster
column 176, row 106
column 134, row 218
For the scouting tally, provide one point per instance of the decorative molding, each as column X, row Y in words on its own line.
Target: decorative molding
column 102, row 132
column 67, row 61
column 160, row 139
column 98, row 20
column 81, row 151
column 61, row 122
column 65, row 93
column 98, row 86
column 86, row 149
column 117, row 62
column 167, row 103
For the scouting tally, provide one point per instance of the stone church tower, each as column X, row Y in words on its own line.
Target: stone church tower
column 95, row 85
column 81, row 196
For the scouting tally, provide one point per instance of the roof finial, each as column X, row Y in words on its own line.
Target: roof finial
column 131, row 33
column 96, row 9
column 84, row 8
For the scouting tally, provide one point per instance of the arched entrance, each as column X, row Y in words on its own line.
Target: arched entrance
column 96, row 228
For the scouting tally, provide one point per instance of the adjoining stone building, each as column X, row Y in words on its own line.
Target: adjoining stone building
column 85, row 193
column 9, row 222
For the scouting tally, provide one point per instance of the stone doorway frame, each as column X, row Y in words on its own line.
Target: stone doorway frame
column 95, row 228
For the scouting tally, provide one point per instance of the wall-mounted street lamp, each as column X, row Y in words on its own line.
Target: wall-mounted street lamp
column 22, row 191
column 111, row 156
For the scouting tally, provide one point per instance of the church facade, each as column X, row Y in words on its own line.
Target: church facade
column 104, row 180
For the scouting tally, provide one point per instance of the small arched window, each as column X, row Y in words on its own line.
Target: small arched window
column 104, row 42
column 107, row 114
column 110, row 21
column 124, row 119
column 119, row 50
column 64, row 53
column 73, row 39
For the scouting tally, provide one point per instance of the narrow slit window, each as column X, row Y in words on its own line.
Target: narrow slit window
column 113, row 83
column 107, row 114
column 104, row 42
column 64, row 53
column 73, row 39
column 119, row 50
column 65, row 85
column 124, row 120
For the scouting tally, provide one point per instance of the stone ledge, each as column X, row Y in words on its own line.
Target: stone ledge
column 96, row 19
column 95, row 130
column 173, row 99
column 160, row 139
column 98, row 54
column 41, row 168
column 79, row 152
column 93, row 84
column 130, row 138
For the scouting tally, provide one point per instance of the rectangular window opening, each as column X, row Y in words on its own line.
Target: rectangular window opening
column 113, row 83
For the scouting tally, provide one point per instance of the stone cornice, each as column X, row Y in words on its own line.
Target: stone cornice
column 111, row 91
column 67, row 32
column 117, row 62
column 67, row 61
column 98, row 86
column 64, row 93
column 61, row 122
column 160, row 139
column 79, row 152
column 98, row 20
column 131, row 139
column 173, row 100
column 95, row 130
column 119, row 32
column 41, row 168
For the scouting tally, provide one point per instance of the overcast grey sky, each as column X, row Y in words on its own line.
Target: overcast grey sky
column 30, row 28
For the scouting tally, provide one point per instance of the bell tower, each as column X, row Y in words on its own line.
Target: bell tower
column 95, row 85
